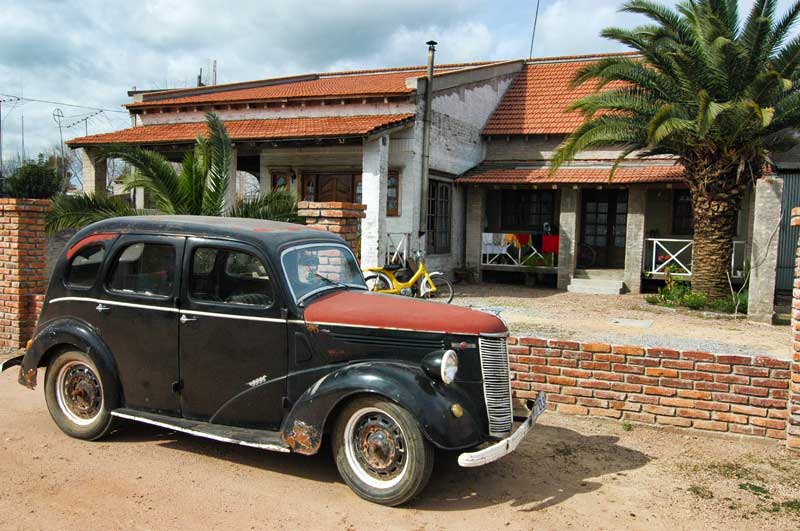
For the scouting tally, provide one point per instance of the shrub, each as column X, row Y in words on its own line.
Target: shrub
column 34, row 180
column 694, row 301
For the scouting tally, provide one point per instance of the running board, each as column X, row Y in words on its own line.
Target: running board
column 262, row 439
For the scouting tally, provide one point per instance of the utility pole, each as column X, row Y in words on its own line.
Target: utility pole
column 58, row 114
column 23, row 138
column 533, row 35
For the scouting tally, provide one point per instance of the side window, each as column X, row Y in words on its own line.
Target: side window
column 84, row 266
column 233, row 277
column 144, row 269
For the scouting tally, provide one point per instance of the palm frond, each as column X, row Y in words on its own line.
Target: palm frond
column 219, row 167
column 276, row 205
column 154, row 173
column 76, row 211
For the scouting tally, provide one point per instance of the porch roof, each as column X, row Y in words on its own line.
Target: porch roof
column 272, row 129
column 599, row 174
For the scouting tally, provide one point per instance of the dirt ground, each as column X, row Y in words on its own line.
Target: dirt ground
column 558, row 314
column 570, row 473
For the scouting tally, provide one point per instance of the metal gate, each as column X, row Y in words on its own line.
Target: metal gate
column 787, row 241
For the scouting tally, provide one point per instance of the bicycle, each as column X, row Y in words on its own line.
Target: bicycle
column 431, row 286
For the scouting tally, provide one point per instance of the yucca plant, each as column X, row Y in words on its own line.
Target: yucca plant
column 717, row 92
column 198, row 189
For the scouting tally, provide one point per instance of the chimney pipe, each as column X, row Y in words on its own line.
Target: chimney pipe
column 426, row 141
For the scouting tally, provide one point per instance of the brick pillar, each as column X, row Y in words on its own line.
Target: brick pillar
column 793, row 424
column 22, row 265
column 340, row 218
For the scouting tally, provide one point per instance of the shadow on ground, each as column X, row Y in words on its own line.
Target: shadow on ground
column 550, row 466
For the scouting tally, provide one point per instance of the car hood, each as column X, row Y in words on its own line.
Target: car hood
column 378, row 310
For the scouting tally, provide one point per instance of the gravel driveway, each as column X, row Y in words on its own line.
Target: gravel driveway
column 621, row 319
column 569, row 473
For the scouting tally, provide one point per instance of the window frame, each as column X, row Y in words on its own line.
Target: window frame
column 432, row 247
column 68, row 267
column 393, row 213
column 195, row 244
column 294, row 247
column 674, row 227
column 123, row 243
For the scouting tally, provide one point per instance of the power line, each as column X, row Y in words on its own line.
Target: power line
column 62, row 103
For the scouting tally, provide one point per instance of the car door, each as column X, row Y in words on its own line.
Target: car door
column 137, row 317
column 232, row 336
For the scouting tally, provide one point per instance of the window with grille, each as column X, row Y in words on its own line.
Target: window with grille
column 682, row 215
column 439, row 208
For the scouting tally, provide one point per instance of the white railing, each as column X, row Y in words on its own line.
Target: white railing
column 497, row 249
column 673, row 255
column 397, row 248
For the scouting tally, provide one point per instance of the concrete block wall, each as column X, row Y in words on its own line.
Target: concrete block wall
column 22, row 267
column 793, row 428
column 745, row 395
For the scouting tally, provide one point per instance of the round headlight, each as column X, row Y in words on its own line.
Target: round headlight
column 449, row 367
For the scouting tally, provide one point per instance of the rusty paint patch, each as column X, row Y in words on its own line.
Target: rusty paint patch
column 27, row 378
column 311, row 327
column 303, row 439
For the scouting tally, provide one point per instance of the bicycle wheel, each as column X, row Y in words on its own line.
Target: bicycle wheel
column 377, row 282
column 444, row 289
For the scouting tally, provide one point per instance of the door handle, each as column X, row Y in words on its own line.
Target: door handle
column 185, row 319
column 102, row 308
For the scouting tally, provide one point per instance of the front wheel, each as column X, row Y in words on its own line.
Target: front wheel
column 381, row 452
column 378, row 282
column 444, row 289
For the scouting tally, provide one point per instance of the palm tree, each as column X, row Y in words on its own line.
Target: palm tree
column 716, row 92
column 198, row 189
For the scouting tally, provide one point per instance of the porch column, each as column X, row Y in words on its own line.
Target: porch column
column 264, row 174
column 230, row 193
column 138, row 198
column 634, row 239
column 374, row 178
column 95, row 171
column 568, row 236
column 764, row 253
column 476, row 200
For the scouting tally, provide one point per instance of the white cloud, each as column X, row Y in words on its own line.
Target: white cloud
column 90, row 52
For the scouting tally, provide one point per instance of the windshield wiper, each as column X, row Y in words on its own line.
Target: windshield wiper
column 331, row 281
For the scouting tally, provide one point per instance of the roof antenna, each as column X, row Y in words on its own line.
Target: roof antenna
column 533, row 35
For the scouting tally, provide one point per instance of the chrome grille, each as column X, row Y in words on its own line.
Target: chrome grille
column 496, row 384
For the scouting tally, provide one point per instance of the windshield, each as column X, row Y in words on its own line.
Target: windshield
column 318, row 267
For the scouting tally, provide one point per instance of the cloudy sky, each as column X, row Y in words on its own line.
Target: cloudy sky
column 89, row 53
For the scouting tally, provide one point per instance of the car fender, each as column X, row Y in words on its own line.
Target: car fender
column 407, row 385
column 70, row 333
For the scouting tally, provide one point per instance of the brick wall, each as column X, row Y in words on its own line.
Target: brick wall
column 340, row 218
column 715, row 392
column 22, row 265
column 793, row 428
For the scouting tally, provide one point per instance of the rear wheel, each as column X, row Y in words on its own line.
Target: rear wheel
column 381, row 452
column 444, row 289
column 77, row 396
column 378, row 282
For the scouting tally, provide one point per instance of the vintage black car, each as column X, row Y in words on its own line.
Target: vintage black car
column 263, row 334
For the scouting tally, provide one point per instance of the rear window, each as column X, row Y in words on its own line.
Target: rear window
column 144, row 269
column 83, row 268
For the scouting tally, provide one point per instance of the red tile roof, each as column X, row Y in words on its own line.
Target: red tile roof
column 325, row 85
column 574, row 175
column 535, row 102
column 273, row 129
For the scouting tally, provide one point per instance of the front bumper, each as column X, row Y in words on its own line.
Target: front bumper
column 507, row 445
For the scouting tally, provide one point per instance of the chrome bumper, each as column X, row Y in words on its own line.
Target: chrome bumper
column 507, row 445
column 11, row 362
